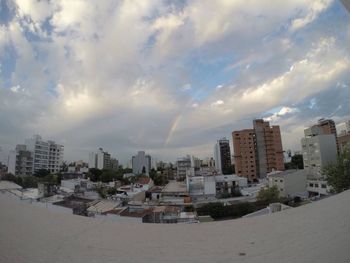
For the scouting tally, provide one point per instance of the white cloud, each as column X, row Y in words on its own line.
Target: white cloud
column 15, row 89
column 186, row 87
column 218, row 102
column 315, row 8
column 113, row 68
column 283, row 111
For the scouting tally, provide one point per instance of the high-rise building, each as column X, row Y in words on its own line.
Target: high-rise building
column 46, row 154
column 222, row 156
column 182, row 165
column 55, row 157
column 328, row 127
column 35, row 155
column 114, row 164
column 141, row 163
column 343, row 141
column 258, row 151
column 319, row 149
column 100, row 159
column 24, row 161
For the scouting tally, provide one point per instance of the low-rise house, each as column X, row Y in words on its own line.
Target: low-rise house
column 163, row 214
column 229, row 183
column 201, row 186
column 77, row 204
column 128, row 214
column 175, row 193
column 188, row 217
column 154, row 194
column 77, row 185
column 131, row 193
column 46, row 189
column 290, row 183
column 145, row 183
column 102, row 206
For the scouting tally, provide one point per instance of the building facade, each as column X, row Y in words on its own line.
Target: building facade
column 46, row 154
column 319, row 149
column 36, row 154
column 258, row 151
column 141, row 163
column 222, row 156
column 344, row 141
column 100, row 159
column 290, row 183
column 328, row 127
column 182, row 165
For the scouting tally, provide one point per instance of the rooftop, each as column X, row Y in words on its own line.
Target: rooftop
column 285, row 173
column 175, row 187
column 294, row 235
column 7, row 185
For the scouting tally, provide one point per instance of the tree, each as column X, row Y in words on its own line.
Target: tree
column 29, row 182
column 107, row 176
column 297, row 161
column 338, row 173
column 41, row 173
column 229, row 169
column 268, row 195
column 94, row 174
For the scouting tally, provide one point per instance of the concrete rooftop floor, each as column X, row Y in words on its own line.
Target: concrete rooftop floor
column 318, row 232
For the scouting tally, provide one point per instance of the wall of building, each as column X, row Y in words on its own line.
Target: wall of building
column 141, row 162
column 245, row 154
column 289, row 183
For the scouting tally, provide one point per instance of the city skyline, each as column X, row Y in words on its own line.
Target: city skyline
column 176, row 82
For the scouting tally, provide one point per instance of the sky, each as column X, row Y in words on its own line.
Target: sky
column 169, row 77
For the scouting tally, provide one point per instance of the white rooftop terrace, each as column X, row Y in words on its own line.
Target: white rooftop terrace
column 317, row 232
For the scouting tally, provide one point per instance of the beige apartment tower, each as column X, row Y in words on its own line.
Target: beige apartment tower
column 258, row 151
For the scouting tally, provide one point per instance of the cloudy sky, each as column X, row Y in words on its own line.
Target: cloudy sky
column 169, row 77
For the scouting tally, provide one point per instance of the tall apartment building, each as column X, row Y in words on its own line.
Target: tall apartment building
column 182, row 166
column 100, row 159
column 141, row 163
column 222, row 156
column 319, row 149
column 40, row 150
column 258, row 151
column 55, row 157
column 328, row 127
column 343, row 141
column 35, row 155
column 343, row 138
column 24, row 161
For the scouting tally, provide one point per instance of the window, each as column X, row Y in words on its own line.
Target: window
column 316, row 185
column 323, row 186
column 311, row 185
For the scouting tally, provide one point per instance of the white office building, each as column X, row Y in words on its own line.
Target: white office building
column 100, row 159
column 35, row 155
column 318, row 150
column 141, row 163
